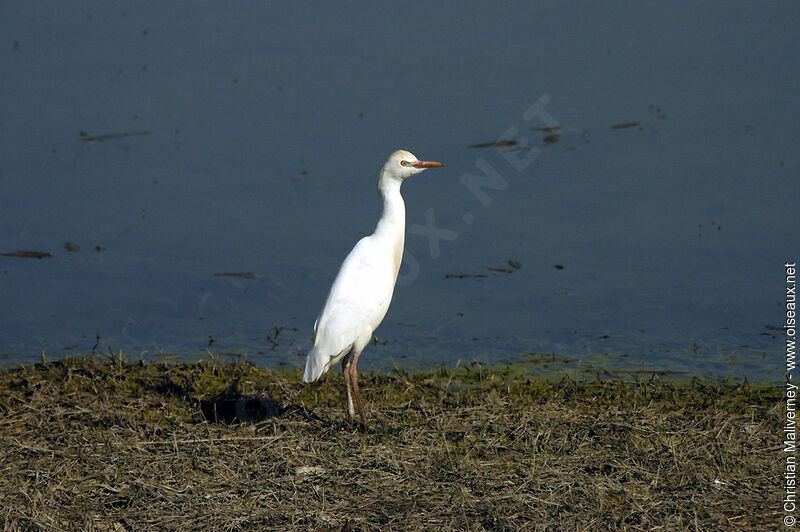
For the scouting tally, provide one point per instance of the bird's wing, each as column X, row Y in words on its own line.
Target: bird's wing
column 357, row 302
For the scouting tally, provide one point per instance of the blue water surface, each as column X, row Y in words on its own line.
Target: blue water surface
column 172, row 143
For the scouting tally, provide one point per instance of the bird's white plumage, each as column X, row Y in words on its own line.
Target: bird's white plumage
column 356, row 305
column 362, row 291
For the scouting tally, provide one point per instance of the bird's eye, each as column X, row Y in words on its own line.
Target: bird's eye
column 403, row 163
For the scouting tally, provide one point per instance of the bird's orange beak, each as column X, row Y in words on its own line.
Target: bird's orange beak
column 426, row 164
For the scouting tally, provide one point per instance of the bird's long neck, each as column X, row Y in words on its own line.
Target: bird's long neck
column 392, row 225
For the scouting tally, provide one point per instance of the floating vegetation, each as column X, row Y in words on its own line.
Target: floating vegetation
column 655, row 115
column 625, row 125
column 85, row 137
column 241, row 275
column 544, row 358
column 714, row 226
column 73, row 248
column 273, row 338
column 497, row 144
column 27, row 254
column 574, row 137
column 513, row 265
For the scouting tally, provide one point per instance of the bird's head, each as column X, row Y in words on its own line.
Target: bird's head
column 403, row 164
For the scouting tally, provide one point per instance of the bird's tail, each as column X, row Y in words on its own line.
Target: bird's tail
column 314, row 366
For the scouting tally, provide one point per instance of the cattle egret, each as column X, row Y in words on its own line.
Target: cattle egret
column 363, row 288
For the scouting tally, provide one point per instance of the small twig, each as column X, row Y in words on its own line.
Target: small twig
column 182, row 442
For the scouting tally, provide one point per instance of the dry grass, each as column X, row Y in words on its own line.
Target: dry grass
column 88, row 445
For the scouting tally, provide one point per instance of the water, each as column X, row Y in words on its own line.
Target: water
column 248, row 139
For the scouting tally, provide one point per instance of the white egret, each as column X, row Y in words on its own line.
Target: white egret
column 362, row 291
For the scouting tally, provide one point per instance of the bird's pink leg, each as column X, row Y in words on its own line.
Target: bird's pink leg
column 354, row 380
column 346, row 373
